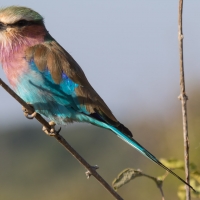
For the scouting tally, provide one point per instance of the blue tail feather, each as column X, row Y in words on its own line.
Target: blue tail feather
column 145, row 152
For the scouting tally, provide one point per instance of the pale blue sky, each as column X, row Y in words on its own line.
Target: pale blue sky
column 128, row 50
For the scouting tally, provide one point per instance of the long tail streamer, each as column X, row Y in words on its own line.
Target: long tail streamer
column 146, row 153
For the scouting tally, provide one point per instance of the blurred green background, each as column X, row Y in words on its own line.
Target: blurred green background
column 129, row 53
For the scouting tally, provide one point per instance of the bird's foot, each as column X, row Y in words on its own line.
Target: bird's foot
column 28, row 114
column 52, row 131
column 88, row 173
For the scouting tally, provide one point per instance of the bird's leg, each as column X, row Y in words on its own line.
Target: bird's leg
column 52, row 131
column 88, row 173
column 28, row 114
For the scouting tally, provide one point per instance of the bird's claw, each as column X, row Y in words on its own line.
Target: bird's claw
column 28, row 114
column 88, row 173
column 52, row 131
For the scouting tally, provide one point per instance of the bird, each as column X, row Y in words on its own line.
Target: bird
column 47, row 77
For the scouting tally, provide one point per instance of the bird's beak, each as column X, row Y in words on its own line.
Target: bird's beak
column 2, row 26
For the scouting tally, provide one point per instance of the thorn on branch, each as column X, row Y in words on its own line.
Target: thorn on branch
column 185, row 97
column 88, row 173
column 181, row 36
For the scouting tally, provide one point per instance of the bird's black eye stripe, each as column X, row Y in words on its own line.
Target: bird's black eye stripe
column 21, row 23
column 2, row 26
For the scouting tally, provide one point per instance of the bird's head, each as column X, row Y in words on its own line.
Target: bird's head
column 18, row 16
column 20, row 26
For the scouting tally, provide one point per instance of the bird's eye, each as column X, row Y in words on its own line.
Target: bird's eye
column 2, row 26
column 22, row 23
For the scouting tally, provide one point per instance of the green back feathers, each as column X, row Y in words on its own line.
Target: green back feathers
column 13, row 14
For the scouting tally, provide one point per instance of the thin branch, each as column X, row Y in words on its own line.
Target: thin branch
column 158, row 182
column 66, row 145
column 183, row 97
column 129, row 174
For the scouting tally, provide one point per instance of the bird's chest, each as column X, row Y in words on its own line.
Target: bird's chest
column 36, row 86
column 14, row 68
column 56, row 101
column 47, row 97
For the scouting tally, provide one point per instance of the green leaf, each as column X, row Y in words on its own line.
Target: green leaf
column 162, row 178
column 195, row 185
column 172, row 163
column 125, row 176
column 181, row 192
column 193, row 167
column 196, row 175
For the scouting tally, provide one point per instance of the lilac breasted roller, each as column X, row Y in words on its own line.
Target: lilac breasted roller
column 46, row 76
